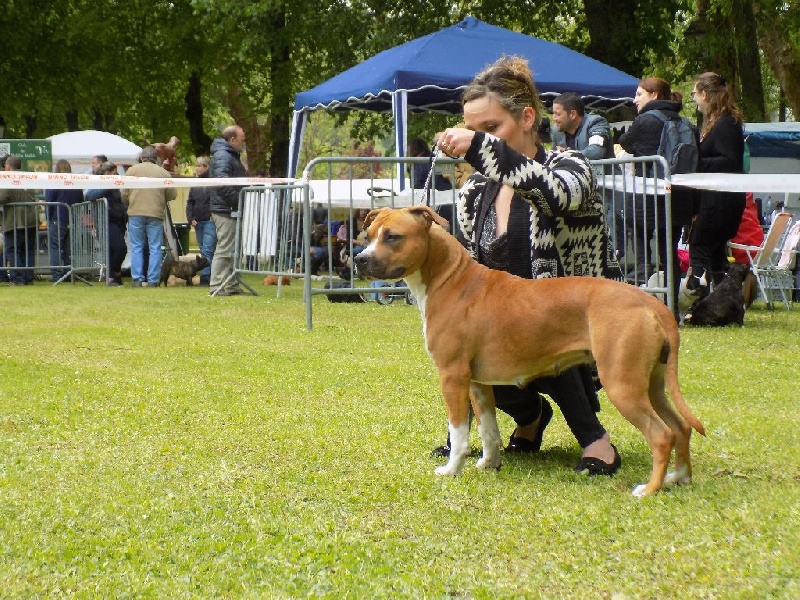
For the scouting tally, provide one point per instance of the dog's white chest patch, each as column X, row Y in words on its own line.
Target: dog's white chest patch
column 414, row 282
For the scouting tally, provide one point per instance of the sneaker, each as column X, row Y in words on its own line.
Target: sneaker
column 138, row 283
column 113, row 283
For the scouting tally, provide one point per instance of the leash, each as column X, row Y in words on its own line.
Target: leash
column 435, row 154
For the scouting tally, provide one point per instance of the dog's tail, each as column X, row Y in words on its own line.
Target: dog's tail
column 673, row 386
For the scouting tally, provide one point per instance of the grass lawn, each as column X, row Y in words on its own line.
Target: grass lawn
column 158, row 443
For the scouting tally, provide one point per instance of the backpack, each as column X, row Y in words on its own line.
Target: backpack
column 678, row 144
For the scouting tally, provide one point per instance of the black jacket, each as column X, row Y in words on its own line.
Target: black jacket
column 198, row 203
column 644, row 134
column 719, row 213
column 642, row 139
column 225, row 162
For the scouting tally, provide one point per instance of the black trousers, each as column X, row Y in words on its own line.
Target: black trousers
column 117, row 248
column 573, row 391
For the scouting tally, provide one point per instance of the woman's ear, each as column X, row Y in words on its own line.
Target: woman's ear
column 528, row 119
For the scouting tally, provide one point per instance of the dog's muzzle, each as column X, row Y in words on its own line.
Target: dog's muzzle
column 369, row 267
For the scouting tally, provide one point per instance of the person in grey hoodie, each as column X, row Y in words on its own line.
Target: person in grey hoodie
column 224, row 201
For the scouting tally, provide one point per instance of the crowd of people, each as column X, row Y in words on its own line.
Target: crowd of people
column 136, row 217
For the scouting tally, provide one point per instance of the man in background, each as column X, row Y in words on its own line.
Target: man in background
column 224, row 202
column 147, row 209
column 573, row 129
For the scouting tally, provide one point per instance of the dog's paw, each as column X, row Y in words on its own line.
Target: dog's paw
column 488, row 463
column 447, row 471
column 678, row 476
column 639, row 490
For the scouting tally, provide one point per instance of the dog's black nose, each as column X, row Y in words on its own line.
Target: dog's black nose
column 360, row 259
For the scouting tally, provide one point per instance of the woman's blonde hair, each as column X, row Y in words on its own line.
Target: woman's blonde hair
column 510, row 81
column 63, row 166
column 720, row 100
column 202, row 161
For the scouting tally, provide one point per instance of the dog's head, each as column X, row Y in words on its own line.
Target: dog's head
column 737, row 272
column 201, row 262
column 397, row 242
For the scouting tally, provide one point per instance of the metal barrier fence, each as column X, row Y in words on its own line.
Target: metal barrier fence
column 89, row 240
column 55, row 239
column 268, row 233
column 349, row 185
column 638, row 209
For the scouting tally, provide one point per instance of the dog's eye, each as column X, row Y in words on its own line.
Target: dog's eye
column 393, row 237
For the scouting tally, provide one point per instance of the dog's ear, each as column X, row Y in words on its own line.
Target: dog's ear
column 429, row 215
column 372, row 216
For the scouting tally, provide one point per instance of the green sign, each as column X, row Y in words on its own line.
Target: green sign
column 36, row 155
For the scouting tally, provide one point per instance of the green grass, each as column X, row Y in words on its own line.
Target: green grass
column 164, row 444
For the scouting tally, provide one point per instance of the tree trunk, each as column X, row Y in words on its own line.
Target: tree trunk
column 72, row 120
column 30, row 126
column 782, row 56
column 280, row 68
column 749, row 72
column 200, row 141
column 612, row 32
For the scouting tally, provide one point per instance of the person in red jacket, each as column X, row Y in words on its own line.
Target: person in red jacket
column 750, row 232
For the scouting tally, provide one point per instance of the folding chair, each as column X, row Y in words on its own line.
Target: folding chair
column 771, row 273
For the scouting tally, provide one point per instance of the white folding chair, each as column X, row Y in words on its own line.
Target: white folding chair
column 771, row 275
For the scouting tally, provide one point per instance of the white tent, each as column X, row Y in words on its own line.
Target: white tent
column 78, row 147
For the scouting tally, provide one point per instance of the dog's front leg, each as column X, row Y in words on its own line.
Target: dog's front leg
column 483, row 405
column 456, row 397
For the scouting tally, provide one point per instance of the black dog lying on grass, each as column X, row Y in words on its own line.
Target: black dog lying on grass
column 182, row 269
column 725, row 304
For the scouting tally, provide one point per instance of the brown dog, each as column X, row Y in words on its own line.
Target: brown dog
column 275, row 279
column 484, row 327
column 182, row 269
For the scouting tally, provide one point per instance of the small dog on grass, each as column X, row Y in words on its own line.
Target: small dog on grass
column 725, row 304
column 182, row 269
column 275, row 279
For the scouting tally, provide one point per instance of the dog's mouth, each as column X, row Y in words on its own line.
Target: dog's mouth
column 373, row 271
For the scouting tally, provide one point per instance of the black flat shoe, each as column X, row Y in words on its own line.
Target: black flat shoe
column 594, row 466
column 441, row 451
column 527, row 446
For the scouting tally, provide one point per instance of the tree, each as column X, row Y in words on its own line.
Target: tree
column 778, row 25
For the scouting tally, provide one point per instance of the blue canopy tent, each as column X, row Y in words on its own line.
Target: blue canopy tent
column 428, row 74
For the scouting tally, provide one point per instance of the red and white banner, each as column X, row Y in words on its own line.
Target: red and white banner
column 83, row 181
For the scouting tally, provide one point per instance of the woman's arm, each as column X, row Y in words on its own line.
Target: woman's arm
column 563, row 183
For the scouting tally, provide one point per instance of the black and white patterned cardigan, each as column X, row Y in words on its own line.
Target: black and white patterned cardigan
column 557, row 217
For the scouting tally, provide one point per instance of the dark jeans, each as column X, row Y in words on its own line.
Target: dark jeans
column 20, row 251
column 58, row 240
column 117, row 249
column 573, row 392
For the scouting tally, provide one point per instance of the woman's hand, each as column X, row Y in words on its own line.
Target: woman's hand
column 455, row 142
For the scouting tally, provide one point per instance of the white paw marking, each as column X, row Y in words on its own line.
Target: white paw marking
column 446, row 470
column 488, row 462
column 678, row 476
column 638, row 491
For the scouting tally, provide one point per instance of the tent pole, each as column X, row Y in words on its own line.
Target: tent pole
column 400, row 115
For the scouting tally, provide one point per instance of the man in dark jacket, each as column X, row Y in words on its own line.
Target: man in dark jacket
column 224, row 202
column 198, row 215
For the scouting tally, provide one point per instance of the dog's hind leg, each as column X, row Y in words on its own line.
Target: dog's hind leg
column 679, row 426
column 456, row 397
column 628, row 392
column 483, row 405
